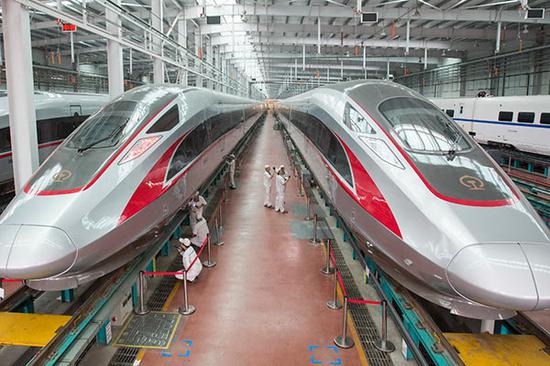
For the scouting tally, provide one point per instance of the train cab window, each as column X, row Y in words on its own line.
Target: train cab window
column 168, row 121
column 450, row 112
column 5, row 141
column 545, row 118
column 109, row 126
column 419, row 126
column 189, row 149
column 506, row 116
column 526, row 117
column 357, row 122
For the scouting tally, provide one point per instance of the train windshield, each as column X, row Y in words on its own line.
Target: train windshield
column 108, row 127
column 421, row 127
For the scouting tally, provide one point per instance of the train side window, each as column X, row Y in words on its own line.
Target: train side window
column 545, row 118
column 47, row 130
column 358, row 122
column 526, row 117
column 188, row 150
column 5, row 141
column 506, row 116
column 168, row 121
column 450, row 112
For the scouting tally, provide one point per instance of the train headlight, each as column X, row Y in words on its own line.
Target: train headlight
column 139, row 148
column 382, row 150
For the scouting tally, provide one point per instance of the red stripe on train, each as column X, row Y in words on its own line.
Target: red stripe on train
column 478, row 203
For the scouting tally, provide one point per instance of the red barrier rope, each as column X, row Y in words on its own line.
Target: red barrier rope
column 341, row 283
column 10, row 280
column 179, row 272
column 367, row 302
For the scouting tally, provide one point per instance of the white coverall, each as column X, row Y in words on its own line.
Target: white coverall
column 232, row 173
column 195, row 210
column 268, row 179
column 280, row 187
column 187, row 258
column 200, row 233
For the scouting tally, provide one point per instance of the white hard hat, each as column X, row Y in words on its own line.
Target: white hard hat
column 199, row 218
column 267, row 166
column 185, row 241
column 281, row 167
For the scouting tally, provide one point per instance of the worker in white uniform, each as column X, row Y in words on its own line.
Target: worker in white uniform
column 280, row 187
column 188, row 255
column 231, row 161
column 200, row 232
column 268, row 180
column 196, row 207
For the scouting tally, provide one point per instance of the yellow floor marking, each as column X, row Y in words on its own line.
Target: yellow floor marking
column 357, row 341
column 499, row 349
column 32, row 330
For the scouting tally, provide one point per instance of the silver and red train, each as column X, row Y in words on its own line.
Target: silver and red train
column 432, row 208
column 92, row 205
column 57, row 115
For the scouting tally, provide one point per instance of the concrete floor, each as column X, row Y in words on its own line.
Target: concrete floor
column 264, row 303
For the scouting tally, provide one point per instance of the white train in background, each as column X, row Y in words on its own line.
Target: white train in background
column 57, row 115
column 521, row 123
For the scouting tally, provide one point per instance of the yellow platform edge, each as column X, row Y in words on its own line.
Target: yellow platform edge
column 484, row 349
column 32, row 330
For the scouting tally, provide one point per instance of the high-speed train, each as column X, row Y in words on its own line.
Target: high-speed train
column 124, row 173
column 426, row 201
column 522, row 123
column 57, row 115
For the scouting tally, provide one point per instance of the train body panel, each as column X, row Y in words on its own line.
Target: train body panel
column 57, row 115
column 111, row 213
column 419, row 226
column 519, row 122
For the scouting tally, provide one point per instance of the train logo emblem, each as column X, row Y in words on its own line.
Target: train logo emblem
column 472, row 183
column 62, row 176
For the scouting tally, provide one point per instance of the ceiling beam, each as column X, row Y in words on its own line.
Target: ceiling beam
column 330, row 11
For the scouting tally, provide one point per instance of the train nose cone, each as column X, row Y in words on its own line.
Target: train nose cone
column 497, row 275
column 538, row 256
column 30, row 252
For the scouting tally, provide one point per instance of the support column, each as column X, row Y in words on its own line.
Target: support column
column 182, row 40
column 199, row 53
column 115, row 68
column 210, row 61
column 156, row 21
column 17, row 51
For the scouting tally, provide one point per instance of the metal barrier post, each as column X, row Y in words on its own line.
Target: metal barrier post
column 308, row 208
column 334, row 304
column 208, row 263
column 383, row 344
column 221, row 216
column 344, row 341
column 314, row 240
column 327, row 269
column 186, row 309
column 218, row 233
column 141, row 310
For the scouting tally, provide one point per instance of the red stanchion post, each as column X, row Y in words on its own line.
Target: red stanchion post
column 141, row 310
column 344, row 341
column 327, row 269
column 208, row 263
column 383, row 344
column 186, row 309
